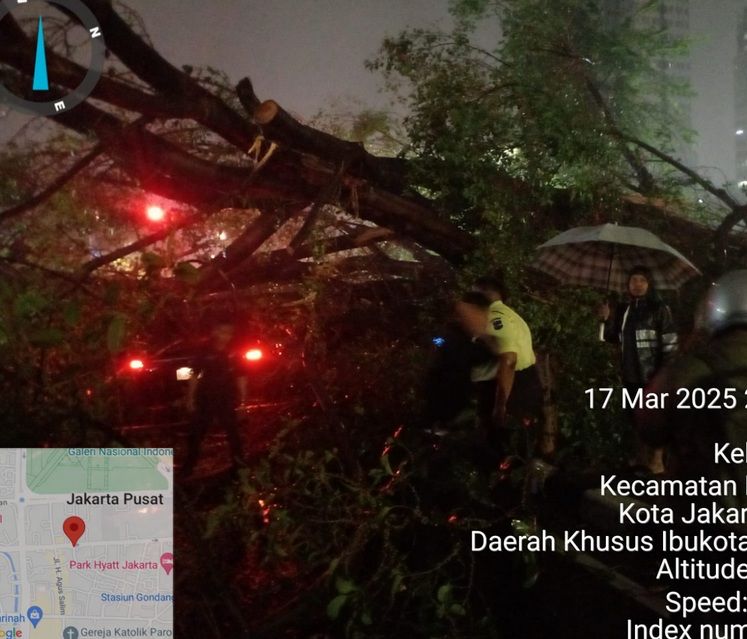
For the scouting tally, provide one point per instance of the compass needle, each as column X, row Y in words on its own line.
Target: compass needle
column 41, row 80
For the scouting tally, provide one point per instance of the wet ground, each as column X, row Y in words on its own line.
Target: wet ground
column 258, row 423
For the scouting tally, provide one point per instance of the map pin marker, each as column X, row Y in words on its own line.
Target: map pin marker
column 167, row 562
column 35, row 615
column 74, row 527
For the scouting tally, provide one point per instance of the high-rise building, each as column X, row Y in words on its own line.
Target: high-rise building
column 672, row 17
column 740, row 102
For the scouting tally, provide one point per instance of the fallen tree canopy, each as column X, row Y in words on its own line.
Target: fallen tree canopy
column 294, row 165
column 266, row 160
column 347, row 258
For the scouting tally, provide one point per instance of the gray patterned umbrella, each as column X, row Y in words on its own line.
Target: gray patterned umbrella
column 602, row 256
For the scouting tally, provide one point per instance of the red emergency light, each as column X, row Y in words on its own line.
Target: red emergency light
column 136, row 364
column 155, row 213
column 254, row 354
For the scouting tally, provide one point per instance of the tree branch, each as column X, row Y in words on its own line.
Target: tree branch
column 325, row 196
column 253, row 237
column 16, row 50
column 707, row 185
column 163, row 168
column 646, row 181
column 151, row 67
column 60, row 275
column 737, row 215
column 279, row 126
column 279, row 264
column 290, row 177
column 55, row 186
column 179, row 95
column 92, row 265
column 294, row 270
column 738, row 211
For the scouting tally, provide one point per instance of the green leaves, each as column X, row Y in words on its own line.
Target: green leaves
column 115, row 333
column 386, row 465
column 29, row 304
column 443, row 595
column 345, row 588
column 397, row 579
column 447, row 607
column 152, row 262
column 187, row 272
column 545, row 103
column 335, row 606
column 46, row 337
column 71, row 312
column 529, row 566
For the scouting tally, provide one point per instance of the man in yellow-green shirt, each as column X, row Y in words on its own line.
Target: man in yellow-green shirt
column 514, row 394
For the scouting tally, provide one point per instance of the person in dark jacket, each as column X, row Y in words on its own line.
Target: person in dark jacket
column 645, row 330
column 703, row 429
column 216, row 389
column 706, row 387
column 449, row 387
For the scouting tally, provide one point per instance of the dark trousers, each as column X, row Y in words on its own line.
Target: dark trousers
column 206, row 413
column 524, row 406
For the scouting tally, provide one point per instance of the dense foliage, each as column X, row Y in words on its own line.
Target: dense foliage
column 337, row 526
column 518, row 91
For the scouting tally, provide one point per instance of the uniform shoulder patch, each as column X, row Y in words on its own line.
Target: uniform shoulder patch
column 497, row 323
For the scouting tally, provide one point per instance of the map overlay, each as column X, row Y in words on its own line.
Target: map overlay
column 86, row 543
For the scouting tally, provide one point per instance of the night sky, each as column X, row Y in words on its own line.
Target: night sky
column 307, row 54
column 714, row 24
column 301, row 53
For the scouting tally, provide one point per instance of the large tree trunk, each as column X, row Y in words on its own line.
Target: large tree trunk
column 306, row 159
column 547, row 435
column 295, row 173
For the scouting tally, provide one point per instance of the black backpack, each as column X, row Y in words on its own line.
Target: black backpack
column 448, row 387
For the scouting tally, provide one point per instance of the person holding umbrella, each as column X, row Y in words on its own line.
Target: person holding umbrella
column 607, row 257
column 644, row 328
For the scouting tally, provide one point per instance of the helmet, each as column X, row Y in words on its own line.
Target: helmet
column 726, row 303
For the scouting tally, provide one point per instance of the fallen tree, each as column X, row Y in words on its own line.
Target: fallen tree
column 269, row 161
column 506, row 147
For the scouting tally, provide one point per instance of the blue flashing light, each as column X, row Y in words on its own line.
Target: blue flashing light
column 439, row 341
